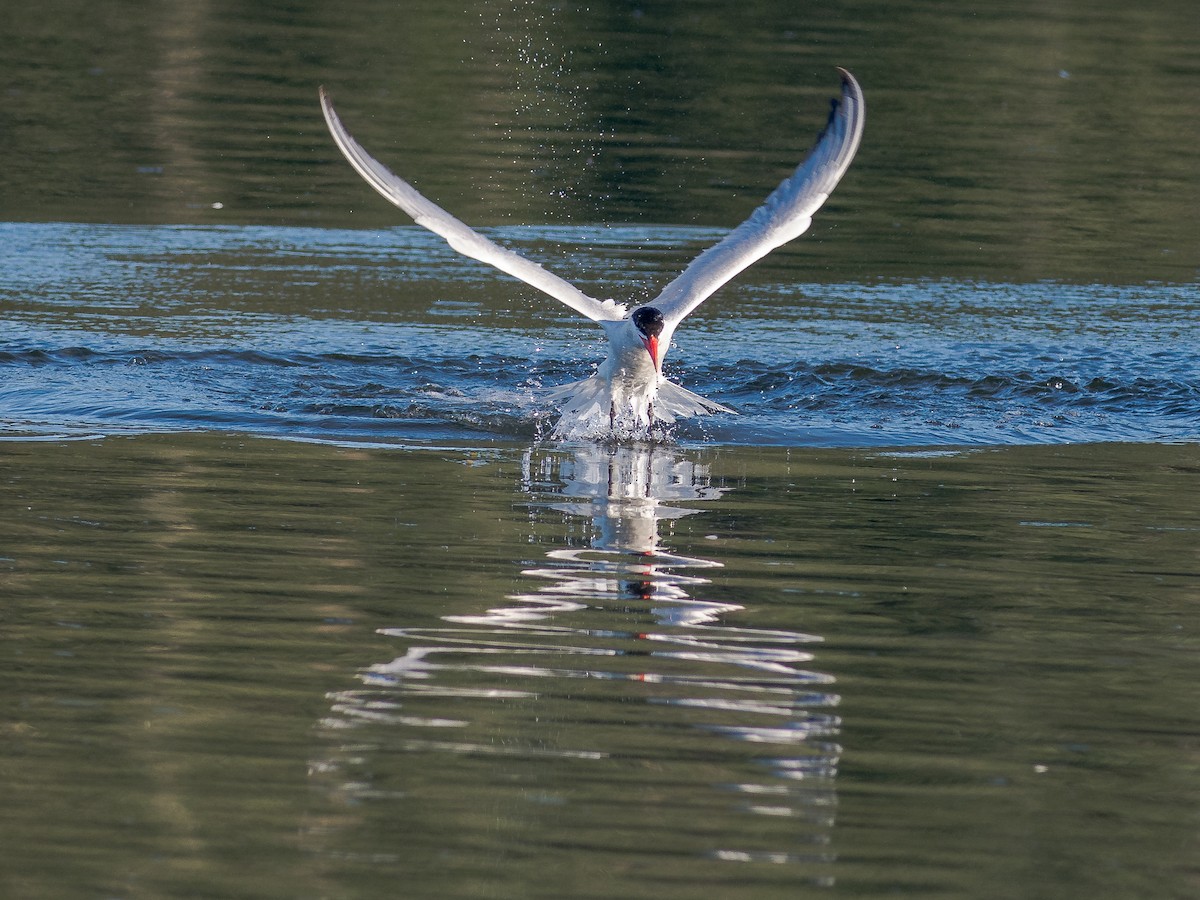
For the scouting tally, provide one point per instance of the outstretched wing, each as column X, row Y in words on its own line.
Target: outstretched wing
column 784, row 216
column 457, row 234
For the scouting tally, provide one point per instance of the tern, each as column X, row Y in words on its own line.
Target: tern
column 628, row 392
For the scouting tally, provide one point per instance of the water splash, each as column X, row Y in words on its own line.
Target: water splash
column 387, row 337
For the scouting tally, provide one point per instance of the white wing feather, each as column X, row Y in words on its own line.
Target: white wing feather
column 459, row 235
column 784, row 216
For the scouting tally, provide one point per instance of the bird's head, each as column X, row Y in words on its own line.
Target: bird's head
column 649, row 324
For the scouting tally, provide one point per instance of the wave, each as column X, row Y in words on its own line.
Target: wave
column 343, row 394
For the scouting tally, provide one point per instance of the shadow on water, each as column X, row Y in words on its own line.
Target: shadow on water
column 607, row 655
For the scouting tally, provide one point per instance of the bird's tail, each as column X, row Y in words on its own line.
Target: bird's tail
column 587, row 408
column 674, row 402
column 583, row 400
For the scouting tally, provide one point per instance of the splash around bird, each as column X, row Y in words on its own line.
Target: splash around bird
column 628, row 395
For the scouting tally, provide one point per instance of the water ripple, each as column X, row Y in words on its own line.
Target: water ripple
column 389, row 337
column 616, row 623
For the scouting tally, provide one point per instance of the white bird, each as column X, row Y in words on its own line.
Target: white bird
column 628, row 392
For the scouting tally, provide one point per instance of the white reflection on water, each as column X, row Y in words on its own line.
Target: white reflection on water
column 611, row 604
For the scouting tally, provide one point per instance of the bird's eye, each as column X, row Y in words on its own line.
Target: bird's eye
column 648, row 320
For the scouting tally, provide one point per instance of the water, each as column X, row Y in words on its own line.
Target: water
column 388, row 336
column 247, row 667
column 300, row 600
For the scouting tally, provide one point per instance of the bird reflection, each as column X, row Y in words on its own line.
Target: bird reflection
column 626, row 492
column 609, row 605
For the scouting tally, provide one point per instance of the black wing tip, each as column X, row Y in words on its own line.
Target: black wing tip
column 850, row 85
column 332, row 120
column 851, row 90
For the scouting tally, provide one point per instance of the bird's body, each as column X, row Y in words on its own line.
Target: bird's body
column 628, row 392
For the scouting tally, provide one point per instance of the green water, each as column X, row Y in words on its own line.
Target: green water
column 1012, row 140
column 240, row 667
column 265, row 669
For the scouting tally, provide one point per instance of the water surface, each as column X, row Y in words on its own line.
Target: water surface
column 389, row 336
column 262, row 668
column 300, row 601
